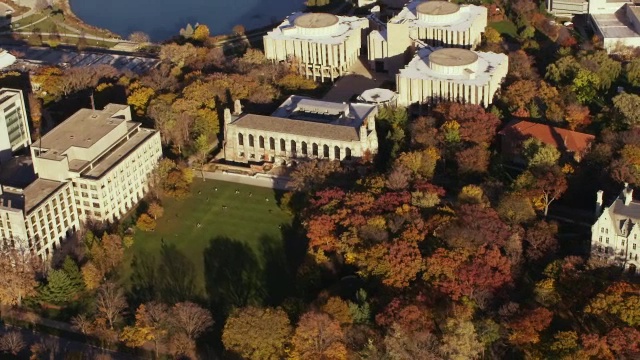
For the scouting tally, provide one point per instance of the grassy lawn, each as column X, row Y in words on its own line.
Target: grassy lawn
column 232, row 256
column 505, row 27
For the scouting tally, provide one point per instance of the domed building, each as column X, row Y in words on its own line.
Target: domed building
column 451, row 74
column 323, row 45
column 434, row 23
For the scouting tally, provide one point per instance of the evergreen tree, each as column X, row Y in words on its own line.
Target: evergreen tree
column 60, row 288
column 72, row 270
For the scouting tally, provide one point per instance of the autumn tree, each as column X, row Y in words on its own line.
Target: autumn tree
column 35, row 112
column 577, row 116
column 152, row 324
column 338, row 309
column 12, row 343
column 146, row 222
column 520, row 94
column 155, row 210
column 110, row 303
column 190, row 319
column 539, row 154
column 18, row 269
column 541, row 240
column 107, row 253
column 91, row 275
column 460, row 340
column 543, row 185
column 516, row 209
column 317, row 336
column 201, row 33
column 632, row 72
column 139, row 99
column 256, row 333
column 620, row 301
column 627, row 106
column 526, row 328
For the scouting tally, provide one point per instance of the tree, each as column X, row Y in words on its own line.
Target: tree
column 111, row 303
column 91, row 275
column 107, row 254
column 577, row 116
column 519, row 94
column 82, row 323
column 526, row 329
column 621, row 300
column 521, row 66
column 141, row 332
column 18, row 268
column 139, row 37
column 475, row 124
column 541, row 240
column 544, row 185
column 255, row 333
column 35, row 111
column 516, row 209
column 201, row 33
column 492, row 36
column 146, row 223
column 460, row 341
column 473, row 160
column 139, row 99
column 401, row 344
column 627, row 106
column 632, row 72
column 60, row 288
column 318, row 337
column 338, row 309
column 585, row 86
column 156, row 210
column 190, row 319
column 12, row 343
column 539, row 154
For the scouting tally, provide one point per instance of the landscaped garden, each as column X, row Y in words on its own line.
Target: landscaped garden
column 220, row 243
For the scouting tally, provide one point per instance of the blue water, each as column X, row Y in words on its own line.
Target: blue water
column 162, row 19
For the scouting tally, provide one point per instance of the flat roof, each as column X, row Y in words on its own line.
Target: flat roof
column 6, row 94
column 616, row 25
column 484, row 68
column 377, row 95
column 335, row 113
column 82, row 129
column 17, row 172
column 316, row 20
column 38, row 191
column 437, row 8
column 339, row 32
column 453, row 57
column 119, row 153
column 462, row 22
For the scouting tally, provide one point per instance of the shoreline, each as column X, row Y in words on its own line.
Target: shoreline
column 65, row 6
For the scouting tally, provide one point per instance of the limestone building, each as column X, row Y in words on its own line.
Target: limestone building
column 451, row 74
column 14, row 128
column 435, row 23
column 616, row 232
column 107, row 157
column 616, row 23
column 302, row 128
column 323, row 45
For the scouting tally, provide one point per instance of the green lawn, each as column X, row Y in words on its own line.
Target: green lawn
column 505, row 27
column 235, row 255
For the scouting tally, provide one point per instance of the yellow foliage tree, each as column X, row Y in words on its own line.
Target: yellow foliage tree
column 140, row 98
column 201, row 33
column 146, row 223
column 91, row 275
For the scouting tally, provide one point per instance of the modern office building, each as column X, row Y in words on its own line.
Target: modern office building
column 324, row 46
column 617, row 24
column 614, row 235
column 434, row 23
column 567, row 7
column 94, row 165
column 14, row 128
column 302, row 128
column 451, row 74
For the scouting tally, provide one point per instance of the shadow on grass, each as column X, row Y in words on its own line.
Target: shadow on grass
column 171, row 279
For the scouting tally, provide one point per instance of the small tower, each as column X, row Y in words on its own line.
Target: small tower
column 599, row 195
column 237, row 107
column 227, row 116
column 628, row 194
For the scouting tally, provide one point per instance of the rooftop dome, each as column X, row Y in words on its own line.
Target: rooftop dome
column 453, row 61
column 437, row 11
column 316, row 23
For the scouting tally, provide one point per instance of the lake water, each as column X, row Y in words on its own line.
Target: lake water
column 162, row 19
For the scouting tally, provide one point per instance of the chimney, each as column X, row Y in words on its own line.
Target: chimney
column 628, row 194
column 599, row 202
column 237, row 107
column 227, row 116
column 363, row 132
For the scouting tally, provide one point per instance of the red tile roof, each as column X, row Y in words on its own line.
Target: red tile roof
column 562, row 139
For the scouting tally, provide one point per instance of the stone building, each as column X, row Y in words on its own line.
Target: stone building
column 302, row 128
column 451, row 74
column 323, row 45
column 435, row 23
column 14, row 128
column 614, row 235
column 617, row 24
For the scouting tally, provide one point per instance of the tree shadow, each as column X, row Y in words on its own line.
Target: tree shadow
column 232, row 274
column 143, row 280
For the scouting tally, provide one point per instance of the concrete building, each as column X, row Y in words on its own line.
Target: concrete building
column 616, row 23
column 572, row 144
column 567, row 7
column 6, row 59
column 379, row 97
column 302, row 128
column 451, row 75
column 614, row 235
column 435, row 23
column 323, row 45
column 14, row 128
column 107, row 157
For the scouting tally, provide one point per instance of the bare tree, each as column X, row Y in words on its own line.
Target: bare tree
column 12, row 343
column 111, row 302
column 139, row 37
column 82, row 323
column 191, row 319
column 18, row 270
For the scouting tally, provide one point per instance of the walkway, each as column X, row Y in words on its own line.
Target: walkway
column 260, row 180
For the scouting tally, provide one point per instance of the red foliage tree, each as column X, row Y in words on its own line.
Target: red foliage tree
column 476, row 125
column 526, row 329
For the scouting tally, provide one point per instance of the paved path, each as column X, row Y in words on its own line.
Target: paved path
column 279, row 183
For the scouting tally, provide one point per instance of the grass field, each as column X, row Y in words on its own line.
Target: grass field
column 505, row 27
column 200, row 250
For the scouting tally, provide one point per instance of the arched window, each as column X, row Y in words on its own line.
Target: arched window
column 251, row 140
column 261, row 142
column 347, row 154
column 325, row 151
column 304, row 148
column 314, row 150
column 272, row 143
column 336, row 152
column 283, row 145
column 240, row 140
column 293, row 146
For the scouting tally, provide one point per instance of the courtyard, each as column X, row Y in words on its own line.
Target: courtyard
column 227, row 243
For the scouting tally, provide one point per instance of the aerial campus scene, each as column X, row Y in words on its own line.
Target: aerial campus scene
column 321, row 179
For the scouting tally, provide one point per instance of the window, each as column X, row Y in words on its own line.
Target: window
column 240, row 140
column 600, row 239
column 622, row 242
column 634, row 246
column 606, row 231
column 272, row 143
column 261, row 142
column 251, row 140
column 607, row 240
column 602, row 229
column 283, row 145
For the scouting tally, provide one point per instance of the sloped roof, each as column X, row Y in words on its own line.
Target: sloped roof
column 297, row 127
column 562, row 139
